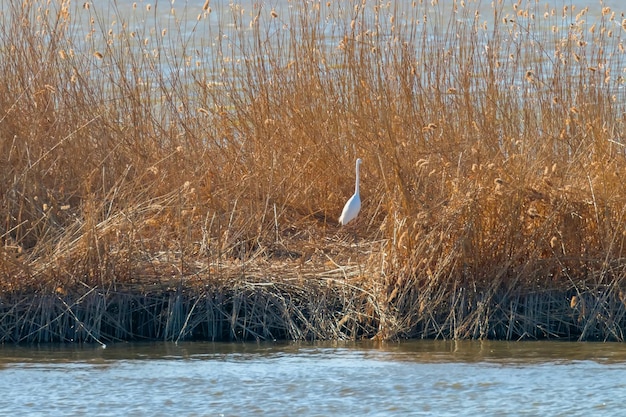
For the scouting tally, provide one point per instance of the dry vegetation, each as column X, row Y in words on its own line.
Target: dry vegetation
column 163, row 176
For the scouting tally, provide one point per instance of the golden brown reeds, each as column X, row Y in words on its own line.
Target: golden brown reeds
column 178, row 178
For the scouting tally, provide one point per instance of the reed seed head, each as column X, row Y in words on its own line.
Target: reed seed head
column 532, row 212
column 554, row 242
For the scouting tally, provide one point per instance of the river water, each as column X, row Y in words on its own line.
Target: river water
column 418, row 378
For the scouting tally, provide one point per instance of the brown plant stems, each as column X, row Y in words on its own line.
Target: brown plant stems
column 178, row 174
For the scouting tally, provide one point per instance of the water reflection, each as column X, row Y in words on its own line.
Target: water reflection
column 422, row 351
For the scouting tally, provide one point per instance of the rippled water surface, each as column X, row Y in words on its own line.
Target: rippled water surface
column 410, row 378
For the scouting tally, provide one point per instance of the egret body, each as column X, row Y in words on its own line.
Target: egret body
column 352, row 207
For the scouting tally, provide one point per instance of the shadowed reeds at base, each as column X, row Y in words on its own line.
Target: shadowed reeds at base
column 315, row 309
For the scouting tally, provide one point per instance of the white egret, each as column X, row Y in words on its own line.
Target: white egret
column 352, row 207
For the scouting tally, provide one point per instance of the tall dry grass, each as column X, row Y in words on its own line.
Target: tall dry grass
column 147, row 146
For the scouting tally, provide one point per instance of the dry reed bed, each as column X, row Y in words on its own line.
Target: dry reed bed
column 171, row 177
